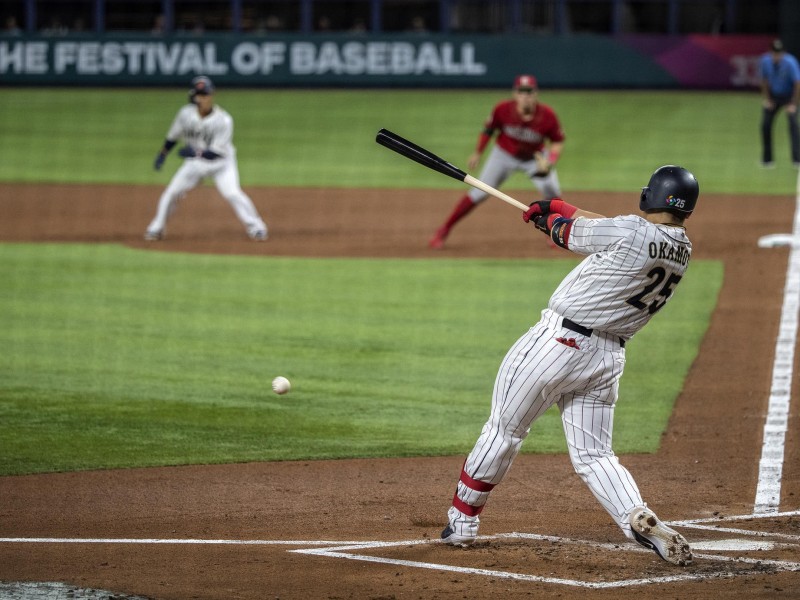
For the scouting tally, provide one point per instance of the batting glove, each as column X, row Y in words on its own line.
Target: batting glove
column 159, row 162
column 544, row 222
column 538, row 208
column 187, row 152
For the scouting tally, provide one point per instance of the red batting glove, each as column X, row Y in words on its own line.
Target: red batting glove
column 540, row 207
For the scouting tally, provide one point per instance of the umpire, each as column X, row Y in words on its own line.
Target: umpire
column 780, row 86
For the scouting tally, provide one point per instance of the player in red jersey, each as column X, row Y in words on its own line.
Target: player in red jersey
column 529, row 140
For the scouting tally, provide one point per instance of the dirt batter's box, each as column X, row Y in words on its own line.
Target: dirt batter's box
column 732, row 546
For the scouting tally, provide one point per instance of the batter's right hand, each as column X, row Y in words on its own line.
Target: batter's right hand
column 544, row 223
column 473, row 160
column 159, row 162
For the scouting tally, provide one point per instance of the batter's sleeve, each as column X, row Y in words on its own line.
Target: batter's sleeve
column 597, row 235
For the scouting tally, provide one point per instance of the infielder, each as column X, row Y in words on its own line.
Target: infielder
column 574, row 356
column 526, row 127
column 207, row 131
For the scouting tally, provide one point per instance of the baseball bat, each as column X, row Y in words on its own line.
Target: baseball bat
column 429, row 159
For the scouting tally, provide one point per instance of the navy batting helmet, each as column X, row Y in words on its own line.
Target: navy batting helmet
column 201, row 86
column 672, row 189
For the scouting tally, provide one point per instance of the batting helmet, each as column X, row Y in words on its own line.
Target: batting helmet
column 672, row 189
column 201, row 86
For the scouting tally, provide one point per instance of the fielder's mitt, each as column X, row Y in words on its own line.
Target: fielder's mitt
column 543, row 165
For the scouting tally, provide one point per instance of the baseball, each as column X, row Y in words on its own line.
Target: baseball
column 281, row 385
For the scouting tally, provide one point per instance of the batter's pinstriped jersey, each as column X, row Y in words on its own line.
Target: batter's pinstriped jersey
column 213, row 132
column 631, row 271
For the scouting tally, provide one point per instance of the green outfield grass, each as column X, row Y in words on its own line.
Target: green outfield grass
column 326, row 137
column 114, row 357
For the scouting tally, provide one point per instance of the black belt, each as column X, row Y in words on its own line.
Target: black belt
column 573, row 326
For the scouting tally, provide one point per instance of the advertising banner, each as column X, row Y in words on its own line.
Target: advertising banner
column 384, row 60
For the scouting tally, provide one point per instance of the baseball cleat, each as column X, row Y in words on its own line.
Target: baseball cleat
column 460, row 530
column 437, row 241
column 153, row 236
column 651, row 533
column 259, row 235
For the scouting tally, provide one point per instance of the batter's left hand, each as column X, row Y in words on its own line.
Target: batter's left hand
column 540, row 207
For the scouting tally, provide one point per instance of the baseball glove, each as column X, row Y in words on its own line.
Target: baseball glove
column 543, row 165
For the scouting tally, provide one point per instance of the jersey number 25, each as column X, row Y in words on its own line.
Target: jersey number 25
column 657, row 274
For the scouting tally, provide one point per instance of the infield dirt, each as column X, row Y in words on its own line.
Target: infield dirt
column 707, row 466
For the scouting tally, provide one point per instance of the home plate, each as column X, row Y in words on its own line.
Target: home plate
column 733, row 545
column 777, row 240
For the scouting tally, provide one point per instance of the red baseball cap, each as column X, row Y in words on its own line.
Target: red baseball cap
column 525, row 82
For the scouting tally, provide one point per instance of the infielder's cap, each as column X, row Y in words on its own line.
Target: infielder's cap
column 525, row 82
column 777, row 46
column 202, row 86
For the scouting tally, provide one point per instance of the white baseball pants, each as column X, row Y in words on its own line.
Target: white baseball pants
column 225, row 173
column 538, row 372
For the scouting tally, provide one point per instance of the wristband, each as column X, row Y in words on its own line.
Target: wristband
column 553, row 157
column 560, row 229
column 557, row 205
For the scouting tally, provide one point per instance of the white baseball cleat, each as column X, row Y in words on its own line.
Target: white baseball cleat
column 153, row 235
column 461, row 530
column 258, row 235
column 651, row 533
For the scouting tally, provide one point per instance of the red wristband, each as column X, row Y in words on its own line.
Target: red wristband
column 557, row 205
column 553, row 157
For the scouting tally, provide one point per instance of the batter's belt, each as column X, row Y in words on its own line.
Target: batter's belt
column 573, row 326
column 608, row 341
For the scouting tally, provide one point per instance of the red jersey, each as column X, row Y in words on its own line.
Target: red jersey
column 522, row 138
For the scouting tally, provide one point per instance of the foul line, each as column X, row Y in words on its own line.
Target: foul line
column 770, row 467
column 21, row 540
column 349, row 550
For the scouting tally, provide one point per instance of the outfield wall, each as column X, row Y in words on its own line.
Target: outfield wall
column 571, row 61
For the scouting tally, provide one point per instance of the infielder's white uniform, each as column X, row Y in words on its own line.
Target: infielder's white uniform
column 213, row 132
column 631, row 271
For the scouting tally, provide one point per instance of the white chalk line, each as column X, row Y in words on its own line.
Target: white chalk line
column 709, row 524
column 346, row 552
column 349, row 550
column 717, row 519
column 23, row 540
column 770, row 467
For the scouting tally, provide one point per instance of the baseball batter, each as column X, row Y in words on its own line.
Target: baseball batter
column 574, row 356
column 529, row 140
column 207, row 131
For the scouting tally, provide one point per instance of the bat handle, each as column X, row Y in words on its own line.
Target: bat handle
column 477, row 183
